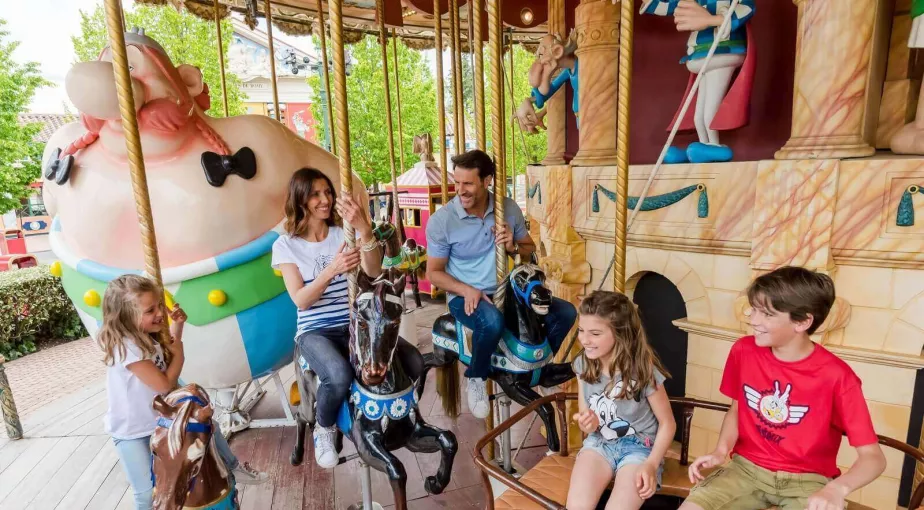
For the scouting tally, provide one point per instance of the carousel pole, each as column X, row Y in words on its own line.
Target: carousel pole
column 440, row 97
column 458, row 127
column 627, row 15
column 383, row 44
column 221, row 57
column 133, row 146
column 497, row 148
column 478, row 51
column 272, row 54
column 394, row 48
column 330, row 105
column 513, row 129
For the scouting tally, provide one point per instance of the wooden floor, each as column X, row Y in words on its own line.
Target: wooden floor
column 67, row 462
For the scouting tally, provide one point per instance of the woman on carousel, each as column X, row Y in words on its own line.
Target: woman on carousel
column 314, row 260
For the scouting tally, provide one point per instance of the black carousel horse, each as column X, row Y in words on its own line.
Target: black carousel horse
column 381, row 413
column 523, row 357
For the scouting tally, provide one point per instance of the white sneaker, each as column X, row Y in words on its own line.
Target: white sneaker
column 325, row 453
column 244, row 474
column 478, row 398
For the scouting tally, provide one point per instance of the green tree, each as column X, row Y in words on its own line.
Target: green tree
column 20, row 156
column 366, row 106
column 187, row 39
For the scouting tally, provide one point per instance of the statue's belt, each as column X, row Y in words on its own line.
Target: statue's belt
column 242, row 287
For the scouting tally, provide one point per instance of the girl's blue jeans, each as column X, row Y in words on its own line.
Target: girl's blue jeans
column 135, row 456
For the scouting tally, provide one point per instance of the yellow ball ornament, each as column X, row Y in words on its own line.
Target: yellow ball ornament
column 277, row 272
column 91, row 298
column 55, row 269
column 218, row 297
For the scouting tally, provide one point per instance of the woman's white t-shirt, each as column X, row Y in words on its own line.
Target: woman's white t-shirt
column 332, row 309
column 131, row 413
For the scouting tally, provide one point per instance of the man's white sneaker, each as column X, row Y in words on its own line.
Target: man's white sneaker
column 325, row 452
column 478, row 398
column 246, row 475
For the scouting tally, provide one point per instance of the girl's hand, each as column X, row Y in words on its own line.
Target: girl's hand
column 705, row 462
column 354, row 215
column 345, row 261
column 645, row 480
column 587, row 420
column 178, row 316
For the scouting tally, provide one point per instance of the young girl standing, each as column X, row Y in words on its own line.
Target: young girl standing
column 623, row 406
column 133, row 312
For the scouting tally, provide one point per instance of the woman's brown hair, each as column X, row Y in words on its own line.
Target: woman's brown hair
column 633, row 356
column 297, row 214
column 122, row 317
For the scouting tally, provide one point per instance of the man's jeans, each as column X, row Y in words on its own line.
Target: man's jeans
column 487, row 325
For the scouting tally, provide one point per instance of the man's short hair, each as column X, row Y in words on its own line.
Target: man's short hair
column 476, row 159
column 794, row 290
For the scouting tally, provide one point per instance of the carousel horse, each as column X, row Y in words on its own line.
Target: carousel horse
column 187, row 470
column 415, row 258
column 523, row 357
column 381, row 413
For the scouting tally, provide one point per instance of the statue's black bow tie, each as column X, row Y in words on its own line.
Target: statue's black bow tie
column 58, row 169
column 218, row 167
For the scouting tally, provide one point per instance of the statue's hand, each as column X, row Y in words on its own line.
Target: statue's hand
column 690, row 16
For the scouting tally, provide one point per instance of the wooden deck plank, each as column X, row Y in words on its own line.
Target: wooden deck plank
column 128, row 501
column 319, row 484
column 242, row 446
column 54, row 410
column 265, row 458
column 20, row 468
column 12, row 450
column 290, row 490
column 75, row 418
column 85, row 487
column 64, row 479
column 93, row 427
column 110, row 493
column 41, row 475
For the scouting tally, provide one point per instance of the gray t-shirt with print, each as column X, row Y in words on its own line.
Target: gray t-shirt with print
column 622, row 417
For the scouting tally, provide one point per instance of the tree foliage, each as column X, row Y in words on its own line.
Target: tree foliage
column 20, row 156
column 186, row 38
column 366, row 107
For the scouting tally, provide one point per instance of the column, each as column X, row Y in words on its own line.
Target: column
column 555, row 106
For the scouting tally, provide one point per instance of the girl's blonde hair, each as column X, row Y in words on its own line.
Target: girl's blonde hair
column 633, row 356
column 122, row 316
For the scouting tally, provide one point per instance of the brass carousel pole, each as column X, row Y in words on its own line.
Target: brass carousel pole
column 440, row 97
column 343, row 125
column 394, row 48
column 272, row 59
column 330, row 100
column 513, row 129
column 627, row 15
column 221, row 57
column 497, row 147
column 383, row 43
column 458, row 127
column 478, row 51
column 133, row 144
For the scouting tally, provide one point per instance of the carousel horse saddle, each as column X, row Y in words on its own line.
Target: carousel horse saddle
column 373, row 406
column 512, row 355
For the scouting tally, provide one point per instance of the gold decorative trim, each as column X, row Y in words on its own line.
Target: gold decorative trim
column 872, row 357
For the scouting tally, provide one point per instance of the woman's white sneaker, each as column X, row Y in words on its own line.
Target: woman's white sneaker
column 478, row 398
column 325, row 452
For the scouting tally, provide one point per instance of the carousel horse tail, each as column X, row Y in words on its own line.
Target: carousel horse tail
column 449, row 388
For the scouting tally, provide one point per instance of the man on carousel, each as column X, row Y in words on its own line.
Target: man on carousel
column 460, row 246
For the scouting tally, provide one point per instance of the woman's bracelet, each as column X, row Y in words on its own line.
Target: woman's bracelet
column 371, row 245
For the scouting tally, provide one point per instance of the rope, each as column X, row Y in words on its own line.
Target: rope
column 440, row 96
column 272, row 55
column 478, row 54
column 455, row 65
column 330, row 106
column 394, row 47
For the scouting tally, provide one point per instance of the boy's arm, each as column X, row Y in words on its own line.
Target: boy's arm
column 869, row 465
column 728, row 436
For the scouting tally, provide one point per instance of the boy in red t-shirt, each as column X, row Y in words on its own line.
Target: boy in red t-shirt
column 792, row 400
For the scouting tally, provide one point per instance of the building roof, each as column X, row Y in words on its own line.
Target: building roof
column 423, row 175
column 50, row 123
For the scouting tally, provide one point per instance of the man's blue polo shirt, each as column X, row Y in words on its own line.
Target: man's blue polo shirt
column 468, row 243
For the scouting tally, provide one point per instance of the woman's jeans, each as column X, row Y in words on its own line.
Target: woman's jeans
column 137, row 461
column 327, row 351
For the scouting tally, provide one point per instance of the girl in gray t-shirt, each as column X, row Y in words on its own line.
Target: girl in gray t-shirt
column 624, row 408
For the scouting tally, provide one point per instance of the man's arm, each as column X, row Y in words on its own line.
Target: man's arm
column 527, row 247
column 436, row 273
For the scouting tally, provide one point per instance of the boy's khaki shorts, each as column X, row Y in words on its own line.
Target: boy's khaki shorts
column 742, row 485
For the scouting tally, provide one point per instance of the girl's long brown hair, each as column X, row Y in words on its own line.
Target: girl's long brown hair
column 122, row 317
column 633, row 356
column 297, row 214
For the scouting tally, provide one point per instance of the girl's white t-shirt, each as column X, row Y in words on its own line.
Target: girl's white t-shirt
column 332, row 309
column 131, row 413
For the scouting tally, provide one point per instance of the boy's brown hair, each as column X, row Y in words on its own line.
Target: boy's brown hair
column 794, row 290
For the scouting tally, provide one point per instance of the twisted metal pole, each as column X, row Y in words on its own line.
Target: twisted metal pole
column 497, row 148
column 7, row 406
column 330, row 106
column 394, row 47
column 477, row 7
column 133, row 147
column 458, row 128
column 343, row 125
column 272, row 59
column 626, row 22
column 221, row 57
column 513, row 127
column 389, row 126
column 440, row 98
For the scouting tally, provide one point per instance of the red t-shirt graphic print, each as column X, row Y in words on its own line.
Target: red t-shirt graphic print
column 791, row 415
